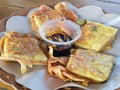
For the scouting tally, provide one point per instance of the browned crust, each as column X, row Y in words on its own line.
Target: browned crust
column 107, row 44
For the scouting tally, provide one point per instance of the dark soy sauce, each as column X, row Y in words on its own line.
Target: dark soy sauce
column 64, row 52
column 60, row 50
column 59, row 38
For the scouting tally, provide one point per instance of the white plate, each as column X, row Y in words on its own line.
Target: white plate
column 38, row 78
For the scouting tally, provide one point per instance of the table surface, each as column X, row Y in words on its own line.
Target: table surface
column 9, row 6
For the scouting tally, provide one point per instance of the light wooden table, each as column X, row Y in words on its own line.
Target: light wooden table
column 9, row 6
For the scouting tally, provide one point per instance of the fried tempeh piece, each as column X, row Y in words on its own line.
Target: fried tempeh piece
column 92, row 65
column 44, row 14
column 57, row 68
column 96, row 36
column 69, row 14
column 25, row 50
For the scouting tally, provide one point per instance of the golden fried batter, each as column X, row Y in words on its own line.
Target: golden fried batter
column 23, row 49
